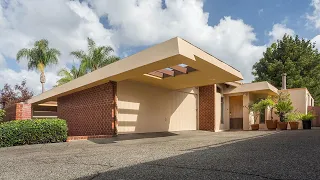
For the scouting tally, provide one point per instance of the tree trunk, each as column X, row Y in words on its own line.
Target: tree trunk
column 42, row 80
column 42, row 84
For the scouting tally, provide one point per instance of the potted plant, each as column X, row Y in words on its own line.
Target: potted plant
column 293, row 119
column 283, row 106
column 306, row 120
column 269, row 102
column 254, row 111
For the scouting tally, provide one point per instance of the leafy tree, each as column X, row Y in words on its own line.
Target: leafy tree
column 97, row 56
column 67, row 75
column 296, row 57
column 39, row 57
column 19, row 93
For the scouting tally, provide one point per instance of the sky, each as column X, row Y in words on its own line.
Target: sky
column 236, row 32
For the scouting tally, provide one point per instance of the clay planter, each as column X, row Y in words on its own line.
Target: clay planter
column 306, row 124
column 283, row 125
column 254, row 127
column 294, row 125
column 272, row 124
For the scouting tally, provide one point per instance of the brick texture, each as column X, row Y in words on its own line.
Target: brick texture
column 18, row 111
column 206, row 107
column 89, row 112
column 23, row 111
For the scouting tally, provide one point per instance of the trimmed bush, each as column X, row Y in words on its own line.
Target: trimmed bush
column 2, row 114
column 37, row 131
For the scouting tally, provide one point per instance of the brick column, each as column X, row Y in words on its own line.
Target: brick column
column 23, row 111
column 18, row 111
column 207, row 107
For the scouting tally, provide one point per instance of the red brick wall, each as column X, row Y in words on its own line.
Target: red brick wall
column 18, row 111
column 88, row 112
column 206, row 107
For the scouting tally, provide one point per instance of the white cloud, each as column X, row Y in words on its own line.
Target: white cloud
column 133, row 23
column 278, row 31
column 66, row 24
column 314, row 18
column 3, row 63
column 141, row 23
column 33, row 79
column 317, row 41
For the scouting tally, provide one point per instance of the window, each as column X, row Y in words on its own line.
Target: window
column 262, row 117
column 222, row 111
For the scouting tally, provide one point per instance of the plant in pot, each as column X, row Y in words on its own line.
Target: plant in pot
column 254, row 110
column 306, row 120
column 293, row 119
column 283, row 106
column 269, row 102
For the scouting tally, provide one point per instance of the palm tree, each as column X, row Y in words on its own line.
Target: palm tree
column 39, row 57
column 67, row 75
column 97, row 56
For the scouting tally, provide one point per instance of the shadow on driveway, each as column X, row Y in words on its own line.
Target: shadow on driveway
column 123, row 137
column 285, row 155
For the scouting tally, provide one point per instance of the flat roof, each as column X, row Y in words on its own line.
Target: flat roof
column 206, row 70
column 258, row 87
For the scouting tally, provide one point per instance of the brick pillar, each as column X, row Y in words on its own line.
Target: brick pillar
column 207, row 107
column 23, row 111
column 18, row 111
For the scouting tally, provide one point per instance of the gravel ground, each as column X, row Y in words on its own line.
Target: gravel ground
column 183, row 155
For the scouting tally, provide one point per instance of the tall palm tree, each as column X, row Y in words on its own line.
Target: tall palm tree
column 39, row 57
column 67, row 75
column 97, row 56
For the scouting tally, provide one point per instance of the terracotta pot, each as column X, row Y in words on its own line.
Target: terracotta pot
column 254, row 127
column 272, row 124
column 294, row 125
column 283, row 125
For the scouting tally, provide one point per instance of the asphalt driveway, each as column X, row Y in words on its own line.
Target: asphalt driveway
column 184, row 155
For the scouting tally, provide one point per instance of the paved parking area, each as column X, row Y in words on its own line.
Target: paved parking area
column 183, row 155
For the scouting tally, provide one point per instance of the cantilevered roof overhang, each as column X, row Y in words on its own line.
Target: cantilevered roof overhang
column 258, row 88
column 190, row 65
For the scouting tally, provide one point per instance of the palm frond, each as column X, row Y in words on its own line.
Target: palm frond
column 23, row 53
column 91, row 44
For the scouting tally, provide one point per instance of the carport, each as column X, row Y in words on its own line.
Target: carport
column 168, row 87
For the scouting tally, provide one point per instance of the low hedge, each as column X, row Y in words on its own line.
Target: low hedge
column 37, row 131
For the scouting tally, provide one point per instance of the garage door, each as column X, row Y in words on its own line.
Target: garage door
column 144, row 108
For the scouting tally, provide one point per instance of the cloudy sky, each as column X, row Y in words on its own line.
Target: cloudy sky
column 236, row 32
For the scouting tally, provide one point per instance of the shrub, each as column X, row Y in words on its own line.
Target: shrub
column 37, row 131
column 308, row 117
column 2, row 114
column 293, row 117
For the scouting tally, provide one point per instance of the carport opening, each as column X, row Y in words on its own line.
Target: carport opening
column 172, row 71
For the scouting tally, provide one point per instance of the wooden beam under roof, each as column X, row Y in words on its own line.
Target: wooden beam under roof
column 167, row 72
column 179, row 69
column 157, row 74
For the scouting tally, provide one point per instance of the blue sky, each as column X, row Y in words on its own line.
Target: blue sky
column 236, row 32
column 261, row 15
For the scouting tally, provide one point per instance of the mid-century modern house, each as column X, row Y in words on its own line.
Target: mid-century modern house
column 172, row 86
